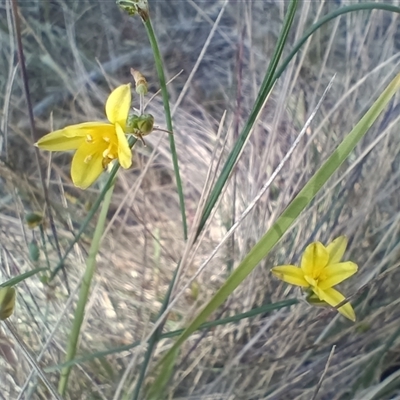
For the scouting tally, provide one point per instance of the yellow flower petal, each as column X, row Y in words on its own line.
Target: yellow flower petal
column 336, row 249
column 87, row 128
column 333, row 298
column 87, row 165
column 314, row 260
column 72, row 136
column 118, row 104
column 336, row 273
column 124, row 152
column 290, row 274
column 57, row 141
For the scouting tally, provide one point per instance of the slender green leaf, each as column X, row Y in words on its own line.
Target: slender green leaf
column 157, row 388
column 22, row 277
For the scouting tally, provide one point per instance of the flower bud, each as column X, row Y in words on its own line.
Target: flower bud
column 145, row 124
column 133, row 7
column 7, row 302
column 33, row 219
column 34, row 251
column 140, row 125
column 140, row 82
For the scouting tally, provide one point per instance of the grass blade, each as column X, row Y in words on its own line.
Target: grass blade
column 22, row 277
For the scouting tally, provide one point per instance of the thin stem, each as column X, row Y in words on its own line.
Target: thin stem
column 84, row 291
column 168, row 117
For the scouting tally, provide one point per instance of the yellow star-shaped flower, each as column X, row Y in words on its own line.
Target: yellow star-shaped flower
column 96, row 143
column 319, row 271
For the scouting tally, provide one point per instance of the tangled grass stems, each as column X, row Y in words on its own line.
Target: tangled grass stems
column 31, row 361
column 266, row 86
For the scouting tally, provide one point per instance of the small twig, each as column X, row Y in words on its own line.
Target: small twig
column 328, row 361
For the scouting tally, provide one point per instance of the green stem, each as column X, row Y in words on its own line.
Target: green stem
column 84, row 290
column 168, row 117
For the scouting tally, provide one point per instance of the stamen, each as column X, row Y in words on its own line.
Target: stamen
column 106, row 161
column 88, row 159
column 106, row 139
column 106, row 152
column 89, row 139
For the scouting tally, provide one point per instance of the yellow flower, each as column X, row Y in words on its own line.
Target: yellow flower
column 96, row 143
column 320, row 270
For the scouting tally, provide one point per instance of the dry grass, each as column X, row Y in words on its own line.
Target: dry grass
column 75, row 52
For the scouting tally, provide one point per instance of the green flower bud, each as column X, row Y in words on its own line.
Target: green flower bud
column 7, row 302
column 33, row 219
column 195, row 289
column 34, row 251
column 140, row 125
column 133, row 7
column 145, row 124
column 140, row 82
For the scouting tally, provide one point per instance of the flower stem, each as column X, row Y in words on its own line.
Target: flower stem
column 84, row 291
column 168, row 117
